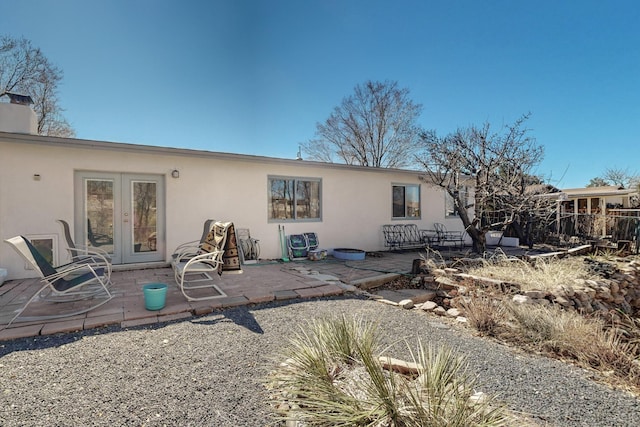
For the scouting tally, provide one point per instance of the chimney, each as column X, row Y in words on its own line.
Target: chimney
column 16, row 115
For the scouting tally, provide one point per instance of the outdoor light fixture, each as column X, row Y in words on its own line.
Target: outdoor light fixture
column 36, row 177
column 175, row 173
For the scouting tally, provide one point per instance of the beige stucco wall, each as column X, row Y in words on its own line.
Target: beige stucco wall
column 356, row 202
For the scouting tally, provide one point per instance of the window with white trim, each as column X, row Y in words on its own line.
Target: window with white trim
column 406, row 201
column 294, row 199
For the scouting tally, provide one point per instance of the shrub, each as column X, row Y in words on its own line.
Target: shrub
column 333, row 377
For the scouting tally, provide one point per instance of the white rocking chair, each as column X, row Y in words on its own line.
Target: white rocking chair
column 80, row 280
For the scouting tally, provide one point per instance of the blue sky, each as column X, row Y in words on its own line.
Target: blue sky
column 254, row 77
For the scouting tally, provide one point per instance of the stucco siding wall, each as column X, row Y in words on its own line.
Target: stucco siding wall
column 355, row 202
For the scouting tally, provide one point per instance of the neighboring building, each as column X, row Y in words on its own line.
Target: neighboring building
column 139, row 202
column 595, row 199
column 594, row 211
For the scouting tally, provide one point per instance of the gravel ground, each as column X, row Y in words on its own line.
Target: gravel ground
column 208, row 371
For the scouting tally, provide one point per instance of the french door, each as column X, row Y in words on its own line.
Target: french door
column 122, row 214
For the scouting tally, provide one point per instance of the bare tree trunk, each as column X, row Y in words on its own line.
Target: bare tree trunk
column 473, row 229
column 478, row 236
column 479, row 240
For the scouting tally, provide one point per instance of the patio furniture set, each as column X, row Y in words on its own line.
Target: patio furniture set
column 88, row 275
column 409, row 236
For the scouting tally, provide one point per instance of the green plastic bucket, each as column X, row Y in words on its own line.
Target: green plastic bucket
column 155, row 295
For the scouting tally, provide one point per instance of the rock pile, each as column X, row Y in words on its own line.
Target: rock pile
column 617, row 289
column 428, row 292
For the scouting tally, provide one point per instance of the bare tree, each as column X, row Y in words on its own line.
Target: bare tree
column 25, row 70
column 497, row 166
column 376, row 126
column 623, row 178
column 598, row 182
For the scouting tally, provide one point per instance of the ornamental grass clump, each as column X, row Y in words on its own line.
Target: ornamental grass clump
column 333, row 375
column 484, row 313
column 570, row 335
column 544, row 274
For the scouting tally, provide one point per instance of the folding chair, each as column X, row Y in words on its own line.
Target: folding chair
column 298, row 246
column 75, row 281
column 312, row 241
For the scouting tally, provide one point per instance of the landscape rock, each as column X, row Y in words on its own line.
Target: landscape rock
column 563, row 301
column 534, row 294
column 453, row 312
column 521, row 299
column 430, row 306
column 406, row 304
column 419, row 295
column 440, row 311
column 446, row 283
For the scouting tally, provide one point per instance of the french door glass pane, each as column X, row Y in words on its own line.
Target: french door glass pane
column 144, row 216
column 100, row 213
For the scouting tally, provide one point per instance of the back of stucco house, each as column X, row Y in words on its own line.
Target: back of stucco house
column 139, row 201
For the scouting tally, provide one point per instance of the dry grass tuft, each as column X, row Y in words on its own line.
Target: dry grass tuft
column 567, row 335
column 587, row 341
column 484, row 314
column 613, row 350
column 545, row 274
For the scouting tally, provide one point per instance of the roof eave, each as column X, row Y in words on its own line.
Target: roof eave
column 188, row 152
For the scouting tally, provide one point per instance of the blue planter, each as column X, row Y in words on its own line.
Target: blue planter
column 155, row 295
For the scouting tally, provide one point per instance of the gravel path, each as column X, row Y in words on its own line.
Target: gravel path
column 207, row 371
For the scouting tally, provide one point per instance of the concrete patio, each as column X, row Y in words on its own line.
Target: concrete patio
column 259, row 283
